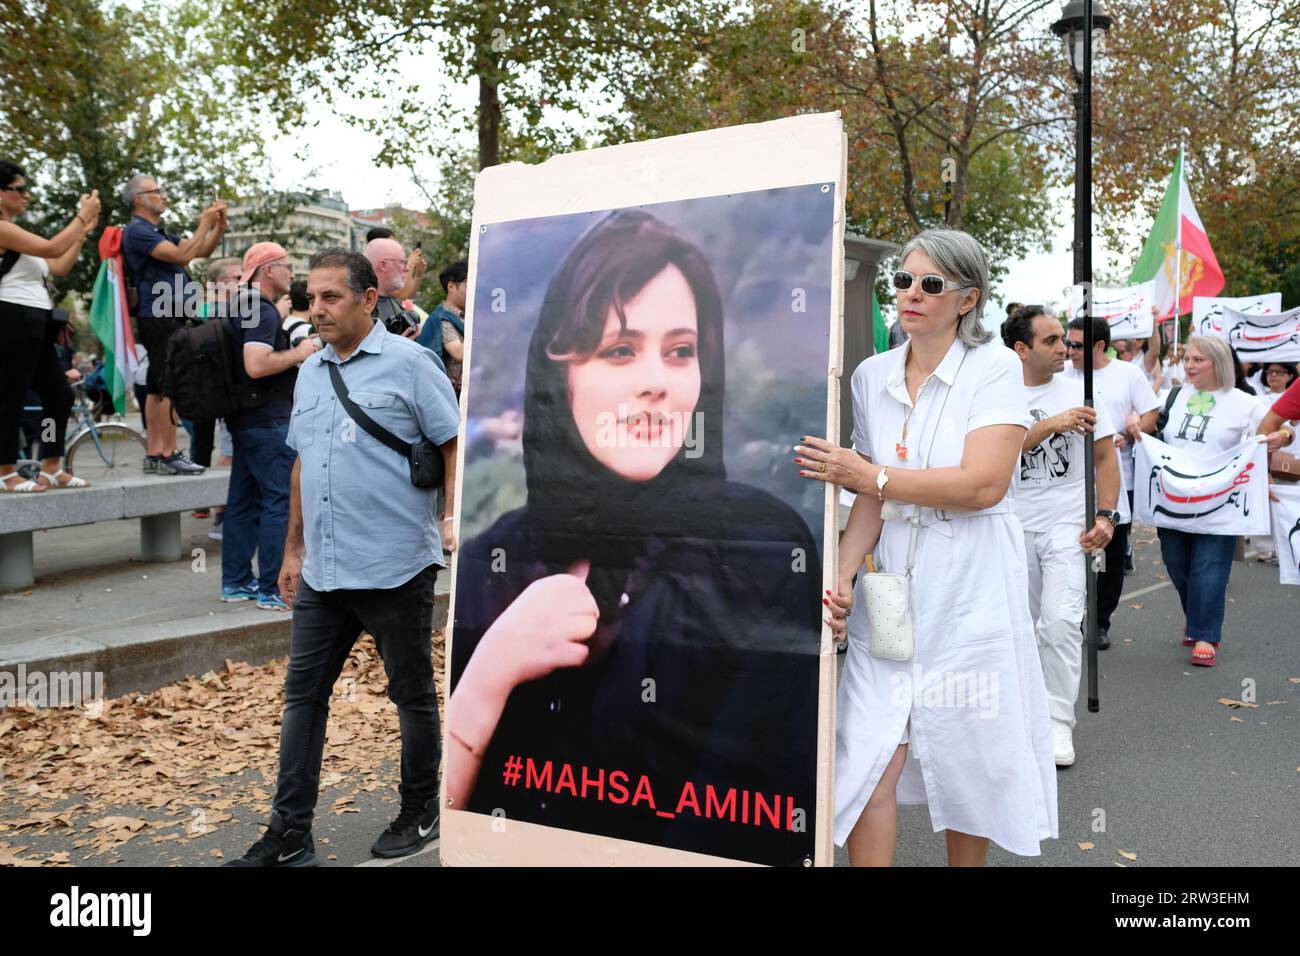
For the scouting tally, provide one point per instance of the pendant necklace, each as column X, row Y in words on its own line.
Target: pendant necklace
column 900, row 448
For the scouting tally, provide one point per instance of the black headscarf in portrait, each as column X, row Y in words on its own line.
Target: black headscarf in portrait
column 579, row 509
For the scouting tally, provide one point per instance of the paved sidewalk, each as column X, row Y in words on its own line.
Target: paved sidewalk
column 96, row 607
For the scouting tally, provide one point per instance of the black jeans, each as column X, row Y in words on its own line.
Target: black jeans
column 202, row 435
column 1110, row 583
column 325, row 626
column 28, row 360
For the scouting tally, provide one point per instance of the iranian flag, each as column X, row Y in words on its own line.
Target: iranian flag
column 1177, row 256
column 110, row 320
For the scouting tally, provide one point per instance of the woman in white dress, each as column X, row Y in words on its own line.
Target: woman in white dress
column 962, row 726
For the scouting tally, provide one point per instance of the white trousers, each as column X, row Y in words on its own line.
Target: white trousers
column 1057, row 600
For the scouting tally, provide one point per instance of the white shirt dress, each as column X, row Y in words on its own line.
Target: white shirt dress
column 971, row 703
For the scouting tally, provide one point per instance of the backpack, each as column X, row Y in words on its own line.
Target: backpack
column 199, row 373
column 203, row 374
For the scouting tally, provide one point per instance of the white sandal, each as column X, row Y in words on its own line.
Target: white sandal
column 73, row 480
column 26, row 486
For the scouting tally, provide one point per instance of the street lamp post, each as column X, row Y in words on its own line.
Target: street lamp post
column 1081, row 27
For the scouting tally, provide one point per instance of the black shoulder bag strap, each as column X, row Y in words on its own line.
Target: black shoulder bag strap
column 1162, row 420
column 368, row 424
column 8, row 261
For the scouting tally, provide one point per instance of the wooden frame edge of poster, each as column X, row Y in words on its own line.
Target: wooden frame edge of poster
column 640, row 173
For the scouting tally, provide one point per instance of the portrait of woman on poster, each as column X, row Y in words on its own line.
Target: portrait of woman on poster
column 642, row 612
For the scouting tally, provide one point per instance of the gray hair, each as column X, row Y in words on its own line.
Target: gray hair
column 961, row 259
column 218, row 266
column 134, row 187
column 1220, row 356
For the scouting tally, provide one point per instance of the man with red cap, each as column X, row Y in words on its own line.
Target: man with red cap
column 257, row 504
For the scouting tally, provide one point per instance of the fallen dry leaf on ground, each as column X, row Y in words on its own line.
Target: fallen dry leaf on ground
column 1087, row 846
column 1127, row 855
column 148, row 762
column 1235, row 704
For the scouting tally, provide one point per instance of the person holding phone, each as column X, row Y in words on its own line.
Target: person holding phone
column 156, row 261
column 28, row 330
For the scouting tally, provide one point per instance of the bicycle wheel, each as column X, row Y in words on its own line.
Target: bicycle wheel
column 119, row 453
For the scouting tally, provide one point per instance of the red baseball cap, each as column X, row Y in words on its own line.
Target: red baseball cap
column 260, row 254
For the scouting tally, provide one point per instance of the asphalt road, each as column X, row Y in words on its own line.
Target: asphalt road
column 1164, row 773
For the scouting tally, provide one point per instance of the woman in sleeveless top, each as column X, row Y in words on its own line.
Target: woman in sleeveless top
column 28, row 330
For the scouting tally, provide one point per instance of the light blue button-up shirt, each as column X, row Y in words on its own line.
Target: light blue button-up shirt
column 364, row 524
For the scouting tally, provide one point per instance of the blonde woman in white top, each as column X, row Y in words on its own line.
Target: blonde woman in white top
column 962, row 726
column 1207, row 415
column 27, row 356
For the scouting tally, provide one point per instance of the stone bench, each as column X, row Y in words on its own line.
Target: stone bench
column 157, row 501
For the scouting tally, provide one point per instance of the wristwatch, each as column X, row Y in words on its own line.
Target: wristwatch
column 882, row 477
column 1111, row 516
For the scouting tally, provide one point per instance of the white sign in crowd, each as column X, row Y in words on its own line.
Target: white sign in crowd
column 1207, row 311
column 1127, row 310
column 1286, row 531
column 1182, row 488
column 1263, row 337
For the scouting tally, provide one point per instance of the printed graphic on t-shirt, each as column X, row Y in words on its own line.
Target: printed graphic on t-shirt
column 1049, row 459
column 1196, row 421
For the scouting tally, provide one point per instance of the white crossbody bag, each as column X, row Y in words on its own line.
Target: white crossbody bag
column 889, row 595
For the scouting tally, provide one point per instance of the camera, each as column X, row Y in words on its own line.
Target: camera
column 399, row 323
column 396, row 319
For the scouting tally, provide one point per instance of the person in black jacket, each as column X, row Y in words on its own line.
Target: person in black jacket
column 643, row 635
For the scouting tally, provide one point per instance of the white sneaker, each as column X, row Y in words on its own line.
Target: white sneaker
column 1062, row 743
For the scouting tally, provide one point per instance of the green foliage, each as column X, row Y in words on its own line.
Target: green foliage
column 102, row 92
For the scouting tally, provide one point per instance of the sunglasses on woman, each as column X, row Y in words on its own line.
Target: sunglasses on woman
column 22, row 190
column 930, row 284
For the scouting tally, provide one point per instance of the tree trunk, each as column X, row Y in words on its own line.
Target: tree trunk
column 489, row 123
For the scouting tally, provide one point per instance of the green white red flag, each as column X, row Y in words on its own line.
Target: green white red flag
column 1177, row 257
column 110, row 319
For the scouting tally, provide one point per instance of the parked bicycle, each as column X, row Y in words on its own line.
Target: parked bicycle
column 96, row 451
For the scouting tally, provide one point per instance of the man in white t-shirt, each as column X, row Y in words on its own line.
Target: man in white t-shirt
column 1049, row 502
column 1122, row 390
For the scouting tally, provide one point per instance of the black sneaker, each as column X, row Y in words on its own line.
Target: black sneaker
column 1103, row 638
column 178, row 464
column 279, row 847
column 1128, row 565
column 413, row 828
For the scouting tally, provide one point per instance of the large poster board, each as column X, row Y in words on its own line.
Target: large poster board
column 638, row 670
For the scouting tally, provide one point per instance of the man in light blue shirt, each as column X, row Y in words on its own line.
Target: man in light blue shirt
column 362, row 553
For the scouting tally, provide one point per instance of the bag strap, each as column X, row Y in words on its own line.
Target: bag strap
column 8, row 261
column 368, row 424
column 1162, row 420
column 915, row 520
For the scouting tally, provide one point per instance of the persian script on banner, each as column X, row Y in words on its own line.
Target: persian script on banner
column 1286, row 531
column 1192, row 491
column 1207, row 311
column 1127, row 311
column 1263, row 338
